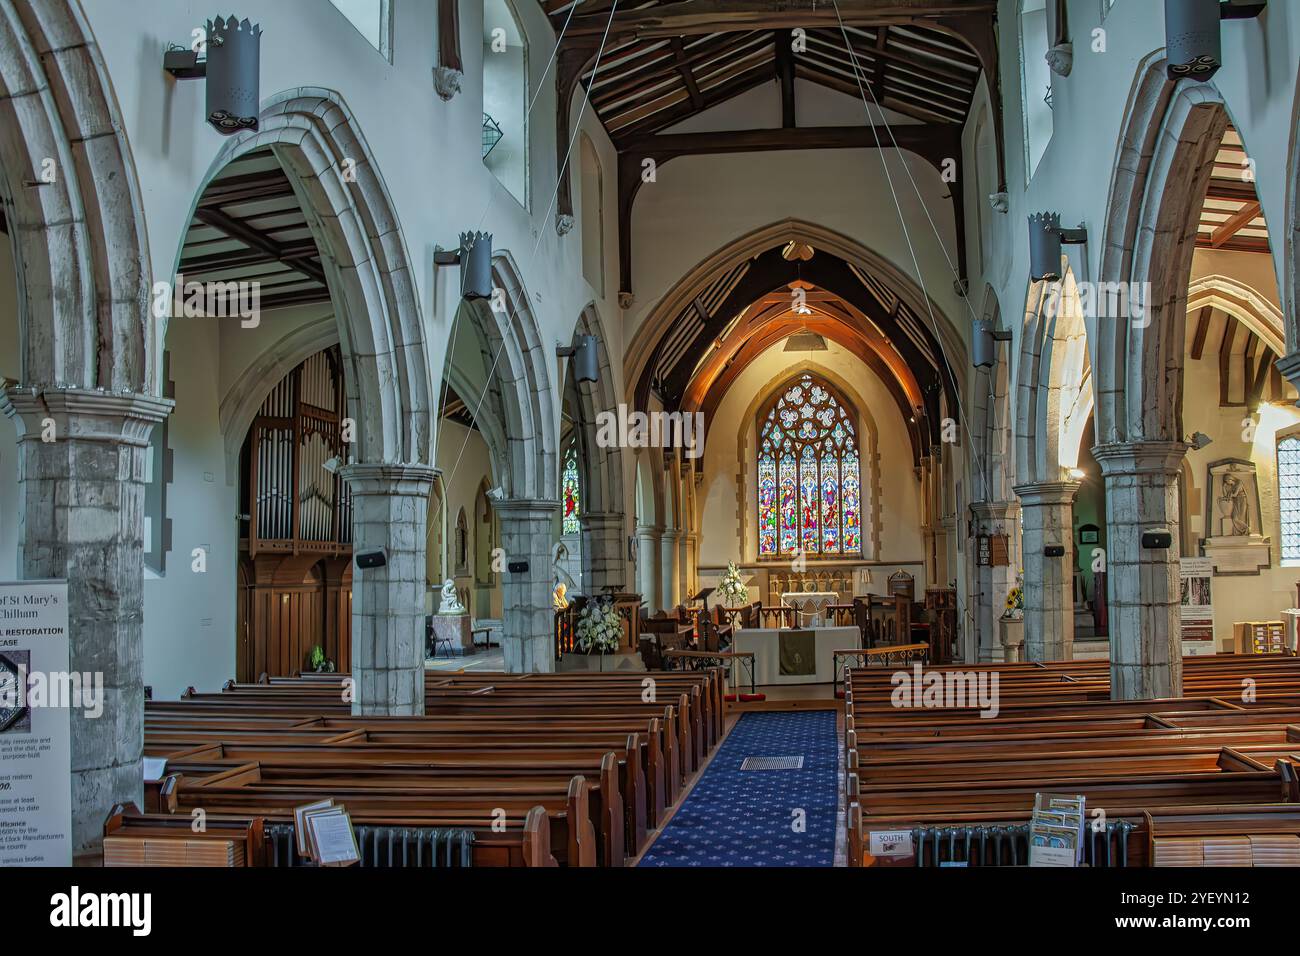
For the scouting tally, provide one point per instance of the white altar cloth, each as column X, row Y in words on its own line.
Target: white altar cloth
column 765, row 644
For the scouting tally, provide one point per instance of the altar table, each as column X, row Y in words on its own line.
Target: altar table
column 766, row 644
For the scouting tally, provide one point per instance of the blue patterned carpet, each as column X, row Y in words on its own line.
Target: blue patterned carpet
column 737, row 817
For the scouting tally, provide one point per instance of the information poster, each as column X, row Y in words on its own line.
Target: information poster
column 1197, row 606
column 36, row 694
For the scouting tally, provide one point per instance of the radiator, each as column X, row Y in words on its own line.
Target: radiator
column 384, row 846
column 1009, row 845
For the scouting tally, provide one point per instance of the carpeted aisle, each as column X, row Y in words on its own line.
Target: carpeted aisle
column 738, row 817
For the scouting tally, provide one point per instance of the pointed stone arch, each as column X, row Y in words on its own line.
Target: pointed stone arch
column 319, row 143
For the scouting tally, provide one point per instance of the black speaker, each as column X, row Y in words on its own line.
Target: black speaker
column 372, row 559
column 1157, row 540
column 517, row 567
column 1054, row 551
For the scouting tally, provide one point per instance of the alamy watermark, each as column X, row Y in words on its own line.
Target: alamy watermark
column 204, row 300
column 624, row 429
column 56, row 689
column 1105, row 300
column 932, row 689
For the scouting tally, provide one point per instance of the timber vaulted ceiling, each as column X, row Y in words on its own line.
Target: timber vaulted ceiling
column 249, row 227
column 745, row 308
column 653, row 64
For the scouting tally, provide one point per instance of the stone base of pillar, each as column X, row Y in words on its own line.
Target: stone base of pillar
column 528, row 632
column 81, row 469
column 389, row 511
column 1143, row 604
column 1048, row 508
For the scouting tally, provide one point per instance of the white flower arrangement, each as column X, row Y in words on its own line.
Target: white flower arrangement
column 600, row 628
column 732, row 589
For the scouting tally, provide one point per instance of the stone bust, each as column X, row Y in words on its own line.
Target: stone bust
column 450, row 599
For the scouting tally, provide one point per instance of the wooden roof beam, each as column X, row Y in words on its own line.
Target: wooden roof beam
column 1235, row 223
column 721, row 16
column 235, row 229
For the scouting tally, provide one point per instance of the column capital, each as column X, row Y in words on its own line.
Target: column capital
column 995, row 510
column 1046, row 493
column 388, row 478
column 1289, row 366
column 523, row 508
column 649, row 530
column 594, row 520
column 82, row 414
column 1141, row 457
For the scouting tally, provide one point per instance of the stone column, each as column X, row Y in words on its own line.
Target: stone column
column 994, row 583
column 1048, row 510
column 648, row 539
column 528, row 632
column 669, row 545
column 690, row 563
column 1142, row 583
column 603, row 541
column 81, row 469
column 390, row 504
column 684, row 566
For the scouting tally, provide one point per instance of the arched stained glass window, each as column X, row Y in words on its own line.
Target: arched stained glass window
column 809, row 486
column 569, row 491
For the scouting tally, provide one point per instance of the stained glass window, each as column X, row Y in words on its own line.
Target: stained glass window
column 1288, row 489
column 571, row 496
column 809, row 486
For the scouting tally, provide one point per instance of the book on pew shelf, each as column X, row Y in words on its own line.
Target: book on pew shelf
column 332, row 838
column 155, row 768
column 300, row 823
column 1056, row 830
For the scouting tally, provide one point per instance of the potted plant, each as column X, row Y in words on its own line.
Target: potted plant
column 319, row 662
column 1011, row 626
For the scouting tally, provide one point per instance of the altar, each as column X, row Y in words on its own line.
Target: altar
column 794, row 655
column 810, row 605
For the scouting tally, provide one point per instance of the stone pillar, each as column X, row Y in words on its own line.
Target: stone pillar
column 994, row 583
column 669, row 576
column 1143, row 586
column 1048, row 519
column 684, row 566
column 648, row 539
column 603, row 541
column 528, row 632
column 390, row 504
column 81, row 519
column 690, row 563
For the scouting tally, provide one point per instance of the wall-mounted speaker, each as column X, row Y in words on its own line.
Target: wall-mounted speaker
column 1160, row 539
column 371, row 559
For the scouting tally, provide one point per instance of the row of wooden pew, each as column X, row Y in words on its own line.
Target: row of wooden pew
column 1210, row 778
column 502, row 770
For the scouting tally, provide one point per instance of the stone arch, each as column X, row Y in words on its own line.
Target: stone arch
column 1243, row 303
column 994, row 458
column 82, row 252
column 1166, row 152
column 604, row 523
column 519, row 389
column 381, row 328
column 604, row 466
column 248, row 392
column 640, row 351
column 1053, row 381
